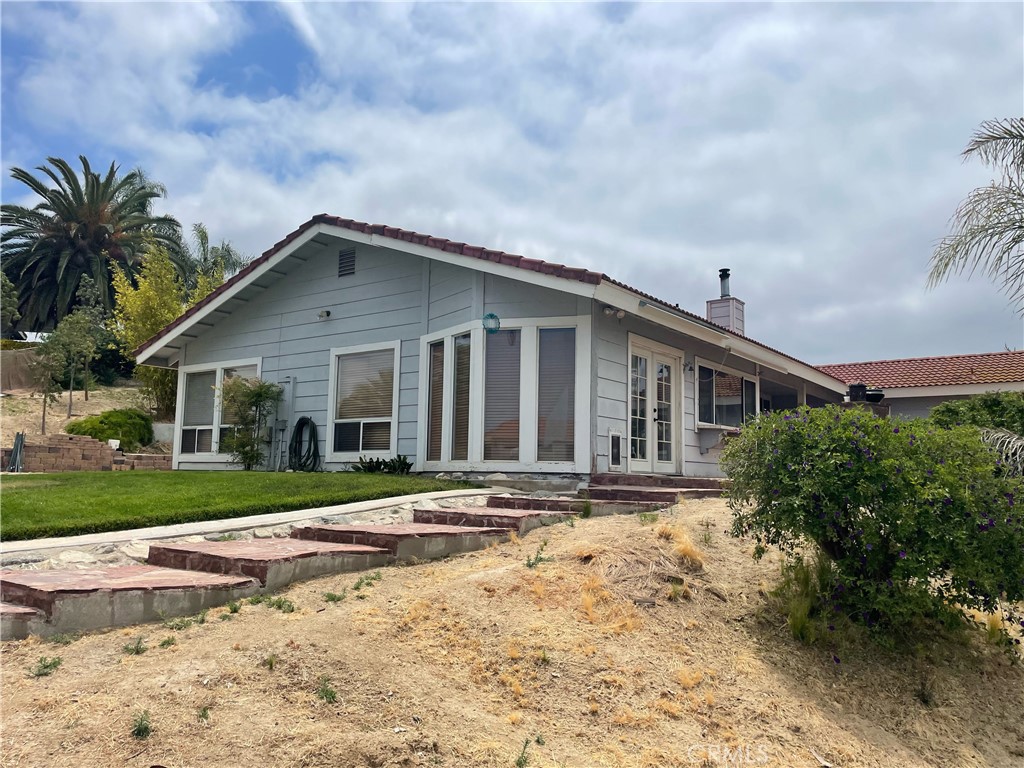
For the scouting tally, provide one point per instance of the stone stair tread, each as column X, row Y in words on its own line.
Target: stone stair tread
column 115, row 579
column 403, row 530
column 499, row 512
column 18, row 611
column 267, row 549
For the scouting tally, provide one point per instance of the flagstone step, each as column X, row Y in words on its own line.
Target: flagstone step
column 274, row 562
column 96, row 598
column 519, row 520
column 662, row 481
column 598, row 507
column 407, row 541
column 638, row 493
column 18, row 621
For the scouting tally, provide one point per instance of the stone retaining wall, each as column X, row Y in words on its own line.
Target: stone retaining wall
column 78, row 453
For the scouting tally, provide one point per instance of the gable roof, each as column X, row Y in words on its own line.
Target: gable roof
column 950, row 370
column 480, row 253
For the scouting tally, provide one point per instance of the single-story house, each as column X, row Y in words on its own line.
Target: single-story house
column 471, row 360
column 915, row 385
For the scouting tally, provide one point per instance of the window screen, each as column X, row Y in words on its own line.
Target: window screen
column 199, row 398
column 556, row 394
column 501, row 396
column 460, row 411
column 435, row 407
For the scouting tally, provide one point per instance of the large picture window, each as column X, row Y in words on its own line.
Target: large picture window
column 556, row 394
column 364, row 411
column 501, row 396
column 724, row 399
column 204, row 420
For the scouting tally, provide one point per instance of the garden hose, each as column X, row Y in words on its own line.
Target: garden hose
column 307, row 460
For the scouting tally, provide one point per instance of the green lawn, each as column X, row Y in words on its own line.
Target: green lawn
column 36, row 506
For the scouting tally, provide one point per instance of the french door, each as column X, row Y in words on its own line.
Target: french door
column 654, row 392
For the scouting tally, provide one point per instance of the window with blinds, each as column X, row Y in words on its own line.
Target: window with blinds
column 364, row 401
column 725, row 399
column 198, row 412
column 501, row 396
column 460, row 396
column 435, row 406
column 556, row 394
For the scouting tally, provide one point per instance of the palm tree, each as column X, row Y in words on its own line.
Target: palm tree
column 211, row 262
column 988, row 227
column 79, row 229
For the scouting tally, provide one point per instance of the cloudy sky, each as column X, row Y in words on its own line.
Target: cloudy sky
column 811, row 147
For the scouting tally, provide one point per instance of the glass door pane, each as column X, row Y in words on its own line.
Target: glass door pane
column 663, row 412
column 638, row 408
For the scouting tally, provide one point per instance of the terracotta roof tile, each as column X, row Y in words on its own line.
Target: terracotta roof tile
column 473, row 251
column 951, row 370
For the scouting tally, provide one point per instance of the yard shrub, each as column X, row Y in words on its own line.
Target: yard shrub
column 249, row 404
column 991, row 410
column 912, row 519
column 133, row 428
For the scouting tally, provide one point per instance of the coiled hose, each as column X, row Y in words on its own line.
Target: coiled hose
column 308, row 459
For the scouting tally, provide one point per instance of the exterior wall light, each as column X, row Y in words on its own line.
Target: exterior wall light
column 323, row 314
column 492, row 323
column 612, row 312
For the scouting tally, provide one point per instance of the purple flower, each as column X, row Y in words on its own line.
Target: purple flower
column 903, row 554
column 896, row 430
column 835, row 658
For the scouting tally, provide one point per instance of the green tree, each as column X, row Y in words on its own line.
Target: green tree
column 81, row 227
column 990, row 410
column 8, row 304
column 142, row 309
column 47, row 367
column 209, row 263
column 75, row 338
column 988, row 228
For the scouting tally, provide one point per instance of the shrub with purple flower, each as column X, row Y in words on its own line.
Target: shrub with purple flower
column 914, row 519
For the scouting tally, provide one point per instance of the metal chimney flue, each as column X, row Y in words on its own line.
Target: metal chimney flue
column 723, row 275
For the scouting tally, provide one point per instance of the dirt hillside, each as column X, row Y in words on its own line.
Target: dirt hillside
column 22, row 410
column 616, row 648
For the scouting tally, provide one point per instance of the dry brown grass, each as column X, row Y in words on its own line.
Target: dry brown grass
column 457, row 663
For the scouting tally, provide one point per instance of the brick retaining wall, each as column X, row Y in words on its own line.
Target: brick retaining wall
column 78, row 453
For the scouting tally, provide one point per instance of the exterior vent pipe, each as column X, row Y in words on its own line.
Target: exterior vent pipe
column 723, row 275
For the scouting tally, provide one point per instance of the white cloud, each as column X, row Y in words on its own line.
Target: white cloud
column 812, row 148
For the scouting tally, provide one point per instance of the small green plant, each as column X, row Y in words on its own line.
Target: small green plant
column 538, row 558
column 250, row 403
column 234, row 606
column 539, row 740
column 400, row 465
column 201, row 616
column 542, row 658
column 678, row 591
column 225, row 617
column 705, row 536
column 367, row 580
column 64, row 638
column 257, row 599
column 281, row 604
column 167, row 642
column 134, row 649
column 270, row 662
column 524, row 759
column 571, row 521
column 325, row 692
column 141, row 726
column 588, row 508
column 647, row 518
column 204, row 714
column 228, row 537
column 45, row 666
column 335, row 597
column 180, row 623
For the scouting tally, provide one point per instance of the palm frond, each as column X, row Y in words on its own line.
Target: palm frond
column 1010, row 448
column 1000, row 145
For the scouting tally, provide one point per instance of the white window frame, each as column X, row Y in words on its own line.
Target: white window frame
column 213, row 456
column 528, row 372
column 332, row 395
column 699, row 363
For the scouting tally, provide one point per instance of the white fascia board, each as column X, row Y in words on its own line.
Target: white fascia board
column 564, row 284
column 952, row 390
column 232, row 292
column 631, row 302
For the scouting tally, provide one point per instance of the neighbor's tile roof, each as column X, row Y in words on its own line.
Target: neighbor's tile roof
column 987, row 368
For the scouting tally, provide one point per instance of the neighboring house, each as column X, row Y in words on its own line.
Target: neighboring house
column 378, row 335
column 915, row 385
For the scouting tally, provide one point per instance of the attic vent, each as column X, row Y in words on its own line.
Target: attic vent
column 346, row 262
